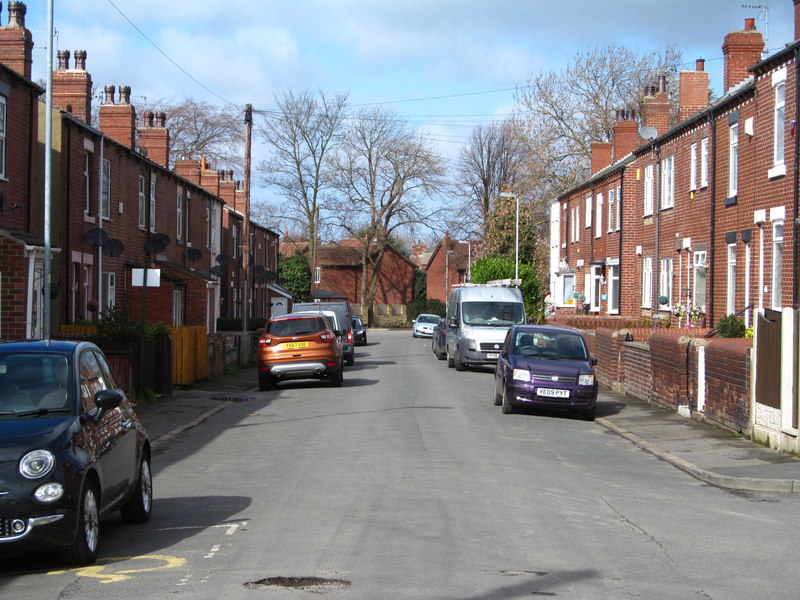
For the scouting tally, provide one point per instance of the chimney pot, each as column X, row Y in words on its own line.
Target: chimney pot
column 749, row 24
column 109, row 93
column 700, row 64
column 16, row 14
column 161, row 119
column 124, row 94
column 80, row 60
column 63, row 60
column 148, row 118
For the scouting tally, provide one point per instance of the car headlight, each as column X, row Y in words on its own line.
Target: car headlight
column 37, row 464
column 585, row 379
column 49, row 492
column 522, row 375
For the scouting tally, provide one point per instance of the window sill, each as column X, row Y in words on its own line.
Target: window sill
column 776, row 171
column 731, row 200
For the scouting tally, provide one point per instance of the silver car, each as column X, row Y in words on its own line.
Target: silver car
column 423, row 325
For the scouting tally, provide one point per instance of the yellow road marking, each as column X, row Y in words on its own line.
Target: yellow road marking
column 98, row 571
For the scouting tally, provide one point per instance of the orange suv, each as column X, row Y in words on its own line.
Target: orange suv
column 299, row 346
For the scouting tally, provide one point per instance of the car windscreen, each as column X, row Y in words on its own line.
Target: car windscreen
column 492, row 313
column 427, row 319
column 292, row 327
column 548, row 345
column 33, row 381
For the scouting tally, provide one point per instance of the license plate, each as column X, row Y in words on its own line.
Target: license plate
column 493, row 355
column 290, row 345
column 552, row 393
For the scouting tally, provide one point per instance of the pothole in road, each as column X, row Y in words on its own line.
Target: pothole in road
column 316, row 585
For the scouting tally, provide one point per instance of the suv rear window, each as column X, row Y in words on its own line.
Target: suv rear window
column 289, row 327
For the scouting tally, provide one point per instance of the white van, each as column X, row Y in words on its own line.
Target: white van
column 478, row 318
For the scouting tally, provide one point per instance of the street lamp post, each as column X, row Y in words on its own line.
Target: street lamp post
column 516, row 232
column 469, row 258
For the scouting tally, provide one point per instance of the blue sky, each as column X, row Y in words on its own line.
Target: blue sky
column 446, row 64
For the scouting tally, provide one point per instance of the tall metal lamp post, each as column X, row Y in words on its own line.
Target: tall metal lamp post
column 516, row 233
column 469, row 258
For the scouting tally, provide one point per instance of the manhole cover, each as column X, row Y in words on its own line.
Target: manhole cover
column 309, row 584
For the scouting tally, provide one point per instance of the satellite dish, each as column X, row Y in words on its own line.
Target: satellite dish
column 647, row 132
column 259, row 270
column 223, row 259
column 154, row 245
column 163, row 238
column 95, row 237
column 193, row 254
column 271, row 276
column 216, row 271
column 113, row 248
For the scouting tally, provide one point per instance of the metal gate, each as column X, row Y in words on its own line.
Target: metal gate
column 768, row 359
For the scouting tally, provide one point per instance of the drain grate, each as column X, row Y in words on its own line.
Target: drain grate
column 316, row 585
column 232, row 398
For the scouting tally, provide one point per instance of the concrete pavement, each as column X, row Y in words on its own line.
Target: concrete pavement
column 711, row 455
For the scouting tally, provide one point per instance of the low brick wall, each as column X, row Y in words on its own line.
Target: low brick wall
column 668, row 365
column 728, row 383
column 608, row 350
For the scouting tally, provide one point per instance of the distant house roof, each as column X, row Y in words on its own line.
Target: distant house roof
column 320, row 294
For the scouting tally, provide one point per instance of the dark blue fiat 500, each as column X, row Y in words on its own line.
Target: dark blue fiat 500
column 72, row 449
column 548, row 367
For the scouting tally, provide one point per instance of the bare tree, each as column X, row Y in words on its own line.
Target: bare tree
column 561, row 113
column 493, row 158
column 386, row 174
column 301, row 136
column 198, row 129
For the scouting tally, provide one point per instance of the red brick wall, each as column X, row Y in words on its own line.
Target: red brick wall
column 728, row 383
column 608, row 345
column 636, row 371
column 669, row 368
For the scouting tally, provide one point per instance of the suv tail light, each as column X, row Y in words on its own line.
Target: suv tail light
column 349, row 336
column 264, row 342
column 327, row 336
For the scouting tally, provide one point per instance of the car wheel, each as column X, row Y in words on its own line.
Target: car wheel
column 139, row 507
column 337, row 378
column 351, row 360
column 84, row 548
column 460, row 366
column 505, row 404
column 498, row 398
column 265, row 382
column 449, row 359
column 589, row 415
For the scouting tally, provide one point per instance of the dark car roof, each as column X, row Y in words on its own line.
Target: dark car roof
column 548, row 328
column 60, row 346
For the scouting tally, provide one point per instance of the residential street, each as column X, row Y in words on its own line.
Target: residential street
column 407, row 482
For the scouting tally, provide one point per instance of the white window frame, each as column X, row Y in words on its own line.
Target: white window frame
column 668, row 182
column 665, row 277
column 733, row 160
column 566, row 290
column 109, row 290
column 235, row 240
column 613, row 289
column 105, row 190
column 317, row 274
column 730, row 292
column 779, row 125
column 152, row 206
column 142, row 203
column 87, row 182
column 693, row 167
column 649, row 189
column 777, row 264
column 3, row 133
column 647, row 282
column 596, row 288
column 179, row 216
column 598, row 225
column 699, row 281
column 588, row 217
column 619, row 208
column 612, row 210
column 177, row 307
column 704, row 162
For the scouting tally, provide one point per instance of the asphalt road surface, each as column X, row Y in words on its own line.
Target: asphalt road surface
column 407, row 482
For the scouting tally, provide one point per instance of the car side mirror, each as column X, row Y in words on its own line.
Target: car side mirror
column 594, row 360
column 337, row 332
column 108, row 399
column 504, row 354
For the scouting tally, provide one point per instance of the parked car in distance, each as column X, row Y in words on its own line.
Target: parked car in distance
column 546, row 366
column 439, row 339
column 342, row 321
column 359, row 332
column 423, row 325
column 72, row 449
column 302, row 345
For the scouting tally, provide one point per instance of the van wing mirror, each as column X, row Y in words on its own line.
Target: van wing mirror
column 452, row 322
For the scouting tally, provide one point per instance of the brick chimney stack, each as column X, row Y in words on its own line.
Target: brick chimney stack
column 16, row 42
column 602, row 154
column 655, row 106
column 693, row 91
column 154, row 138
column 741, row 50
column 118, row 121
column 626, row 134
column 72, row 88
